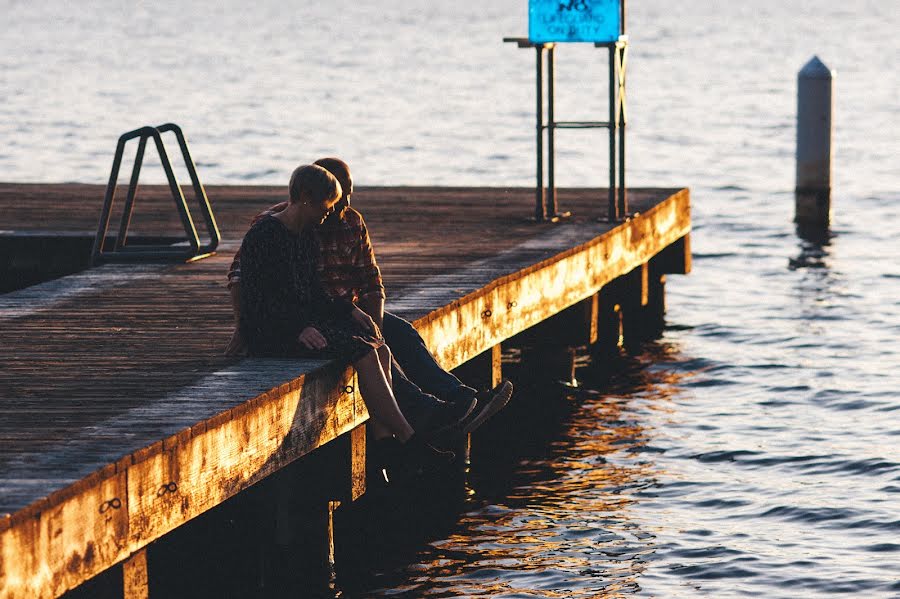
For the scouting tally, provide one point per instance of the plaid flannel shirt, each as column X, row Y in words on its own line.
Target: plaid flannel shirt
column 348, row 269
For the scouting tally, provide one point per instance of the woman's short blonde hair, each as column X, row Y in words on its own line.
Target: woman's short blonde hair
column 313, row 180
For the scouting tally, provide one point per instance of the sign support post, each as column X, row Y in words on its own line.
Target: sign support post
column 601, row 22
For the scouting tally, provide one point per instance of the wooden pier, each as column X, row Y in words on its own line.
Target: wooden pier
column 120, row 419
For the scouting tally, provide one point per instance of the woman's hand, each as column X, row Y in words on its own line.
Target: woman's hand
column 365, row 320
column 311, row 338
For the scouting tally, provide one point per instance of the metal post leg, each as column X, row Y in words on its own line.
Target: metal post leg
column 552, row 211
column 622, row 54
column 539, row 209
column 546, row 204
column 613, row 215
column 132, row 193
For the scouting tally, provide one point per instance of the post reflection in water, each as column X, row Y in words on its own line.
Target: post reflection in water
column 546, row 510
column 819, row 281
column 815, row 243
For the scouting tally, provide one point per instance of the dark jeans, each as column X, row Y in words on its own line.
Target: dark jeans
column 413, row 362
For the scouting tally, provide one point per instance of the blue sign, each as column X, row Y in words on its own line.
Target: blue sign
column 573, row 21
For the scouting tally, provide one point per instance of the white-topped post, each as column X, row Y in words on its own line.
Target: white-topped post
column 814, row 150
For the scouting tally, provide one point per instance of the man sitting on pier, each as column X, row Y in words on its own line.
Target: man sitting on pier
column 349, row 271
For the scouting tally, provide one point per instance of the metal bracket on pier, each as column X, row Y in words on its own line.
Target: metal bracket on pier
column 546, row 206
column 121, row 252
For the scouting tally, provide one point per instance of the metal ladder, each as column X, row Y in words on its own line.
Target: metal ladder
column 122, row 252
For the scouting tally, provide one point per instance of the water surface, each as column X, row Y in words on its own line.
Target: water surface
column 750, row 451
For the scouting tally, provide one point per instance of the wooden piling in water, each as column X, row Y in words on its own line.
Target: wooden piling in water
column 812, row 197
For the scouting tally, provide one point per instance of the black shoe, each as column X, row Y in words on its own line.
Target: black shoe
column 489, row 403
column 444, row 416
column 416, row 458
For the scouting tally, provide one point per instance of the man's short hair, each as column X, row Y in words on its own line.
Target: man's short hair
column 338, row 168
column 315, row 181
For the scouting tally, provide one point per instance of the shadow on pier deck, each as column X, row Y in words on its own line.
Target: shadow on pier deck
column 120, row 419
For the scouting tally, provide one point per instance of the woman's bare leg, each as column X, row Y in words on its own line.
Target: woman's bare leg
column 379, row 398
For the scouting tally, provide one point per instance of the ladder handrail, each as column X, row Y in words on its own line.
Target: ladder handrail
column 121, row 251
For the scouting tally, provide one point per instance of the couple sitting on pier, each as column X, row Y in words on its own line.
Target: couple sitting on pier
column 305, row 283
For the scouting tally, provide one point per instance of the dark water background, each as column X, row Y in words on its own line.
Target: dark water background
column 753, row 450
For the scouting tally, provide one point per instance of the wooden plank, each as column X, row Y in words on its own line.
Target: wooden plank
column 135, row 584
column 591, row 315
column 357, row 440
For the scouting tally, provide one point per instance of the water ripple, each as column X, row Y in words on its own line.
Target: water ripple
column 749, row 452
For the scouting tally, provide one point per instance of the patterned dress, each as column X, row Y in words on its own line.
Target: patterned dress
column 347, row 267
column 281, row 295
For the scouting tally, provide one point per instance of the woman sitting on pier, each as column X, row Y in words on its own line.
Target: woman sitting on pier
column 285, row 311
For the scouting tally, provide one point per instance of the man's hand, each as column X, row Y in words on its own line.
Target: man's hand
column 365, row 320
column 311, row 338
column 236, row 346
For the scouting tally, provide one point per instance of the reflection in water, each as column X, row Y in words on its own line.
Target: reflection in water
column 743, row 475
column 547, row 510
column 814, row 244
column 815, row 288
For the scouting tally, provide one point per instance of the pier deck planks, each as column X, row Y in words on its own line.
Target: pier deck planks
column 119, row 370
